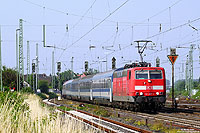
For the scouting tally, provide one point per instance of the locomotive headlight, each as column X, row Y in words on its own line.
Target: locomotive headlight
column 161, row 93
column 141, row 93
column 157, row 93
column 137, row 93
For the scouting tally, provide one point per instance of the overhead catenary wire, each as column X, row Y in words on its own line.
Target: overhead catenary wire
column 147, row 24
column 168, row 8
column 95, row 27
column 84, row 14
column 162, row 10
column 173, row 28
column 62, row 12
column 159, row 34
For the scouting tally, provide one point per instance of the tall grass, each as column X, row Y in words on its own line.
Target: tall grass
column 18, row 115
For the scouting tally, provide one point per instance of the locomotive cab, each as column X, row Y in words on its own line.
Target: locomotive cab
column 148, row 86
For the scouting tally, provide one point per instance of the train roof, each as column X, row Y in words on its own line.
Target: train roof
column 149, row 68
column 86, row 78
column 103, row 75
column 67, row 82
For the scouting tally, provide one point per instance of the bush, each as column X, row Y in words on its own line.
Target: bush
column 42, row 96
column 197, row 95
column 27, row 90
column 6, row 88
column 52, row 95
column 43, row 85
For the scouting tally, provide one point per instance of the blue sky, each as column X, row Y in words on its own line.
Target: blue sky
column 136, row 20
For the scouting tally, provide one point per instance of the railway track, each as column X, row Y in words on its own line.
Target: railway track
column 175, row 120
column 179, row 120
column 184, row 104
column 101, row 123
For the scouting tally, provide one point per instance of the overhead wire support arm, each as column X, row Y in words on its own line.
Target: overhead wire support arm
column 142, row 48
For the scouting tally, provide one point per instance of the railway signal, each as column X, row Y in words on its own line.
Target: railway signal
column 172, row 58
column 113, row 63
column 157, row 62
column 33, row 67
column 86, row 66
column 58, row 66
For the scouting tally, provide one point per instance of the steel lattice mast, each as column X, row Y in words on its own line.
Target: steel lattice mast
column 1, row 63
column 37, row 67
column 53, row 70
column 186, row 75
column 17, row 61
column 21, row 57
column 28, row 62
column 191, row 68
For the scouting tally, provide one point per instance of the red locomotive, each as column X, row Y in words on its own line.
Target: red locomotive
column 137, row 86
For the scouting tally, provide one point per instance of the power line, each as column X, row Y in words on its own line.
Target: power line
column 99, row 23
column 62, row 12
column 179, row 44
column 164, row 9
column 84, row 14
column 80, row 19
column 147, row 24
column 173, row 28
column 95, row 26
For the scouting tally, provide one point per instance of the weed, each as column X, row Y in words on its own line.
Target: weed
column 140, row 123
column 64, row 108
column 102, row 112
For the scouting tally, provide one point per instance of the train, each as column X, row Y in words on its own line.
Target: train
column 136, row 86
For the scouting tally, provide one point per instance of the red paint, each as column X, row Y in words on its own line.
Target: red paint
column 123, row 86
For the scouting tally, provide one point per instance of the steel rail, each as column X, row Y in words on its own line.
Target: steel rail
column 109, row 120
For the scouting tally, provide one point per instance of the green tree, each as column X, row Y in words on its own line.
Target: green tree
column 64, row 76
column 180, row 85
column 43, row 85
column 9, row 77
column 91, row 72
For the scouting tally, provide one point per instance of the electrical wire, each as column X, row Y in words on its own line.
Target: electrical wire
column 94, row 27
column 163, row 10
column 148, row 24
column 173, row 28
column 62, row 12
column 84, row 14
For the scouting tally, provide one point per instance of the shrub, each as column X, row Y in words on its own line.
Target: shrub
column 27, row 90
column 42, row 96
column 43, row 85
column 52, row 95
column 197, row 95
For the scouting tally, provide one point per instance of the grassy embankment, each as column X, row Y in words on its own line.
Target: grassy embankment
column 24, row 113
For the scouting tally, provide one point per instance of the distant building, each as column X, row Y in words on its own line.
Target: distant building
column 42, row 77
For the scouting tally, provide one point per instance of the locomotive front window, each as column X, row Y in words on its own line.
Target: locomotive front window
column 141, row 74
column 155, row 74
